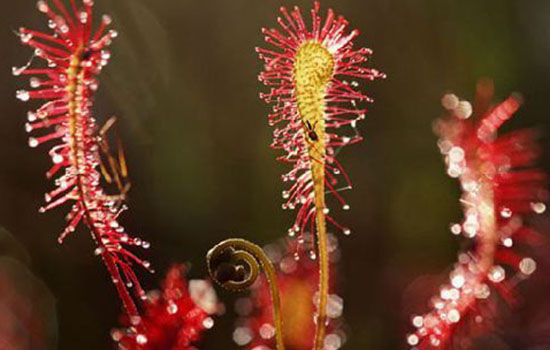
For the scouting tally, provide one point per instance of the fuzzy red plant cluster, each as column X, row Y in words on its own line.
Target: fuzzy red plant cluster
column 27, row 317
column 174, row 318
column 297, row 131
column 71, row 56
column 298, row 282
column 501, row 189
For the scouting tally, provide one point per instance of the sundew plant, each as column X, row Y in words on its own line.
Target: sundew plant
column 71, row 56
column 316, row 79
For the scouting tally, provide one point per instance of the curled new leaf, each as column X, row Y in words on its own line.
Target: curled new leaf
column 235, row 264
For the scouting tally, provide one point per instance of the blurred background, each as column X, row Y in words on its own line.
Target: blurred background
column 183, row 80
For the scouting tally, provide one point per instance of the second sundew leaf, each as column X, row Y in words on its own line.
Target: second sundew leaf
column 316, row 104
column 307, row 71
column 72, row 57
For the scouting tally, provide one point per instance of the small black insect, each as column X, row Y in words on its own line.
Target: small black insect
column 310, row 132
column 86, row 55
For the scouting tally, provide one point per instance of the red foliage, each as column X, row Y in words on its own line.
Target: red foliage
column 174, row 318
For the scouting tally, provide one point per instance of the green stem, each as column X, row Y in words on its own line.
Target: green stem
column 235, row 265
column 323, row 252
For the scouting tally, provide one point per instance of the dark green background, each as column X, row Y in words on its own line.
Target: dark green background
column 183, row 81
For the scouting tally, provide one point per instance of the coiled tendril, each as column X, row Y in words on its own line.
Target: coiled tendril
column 235, row 265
